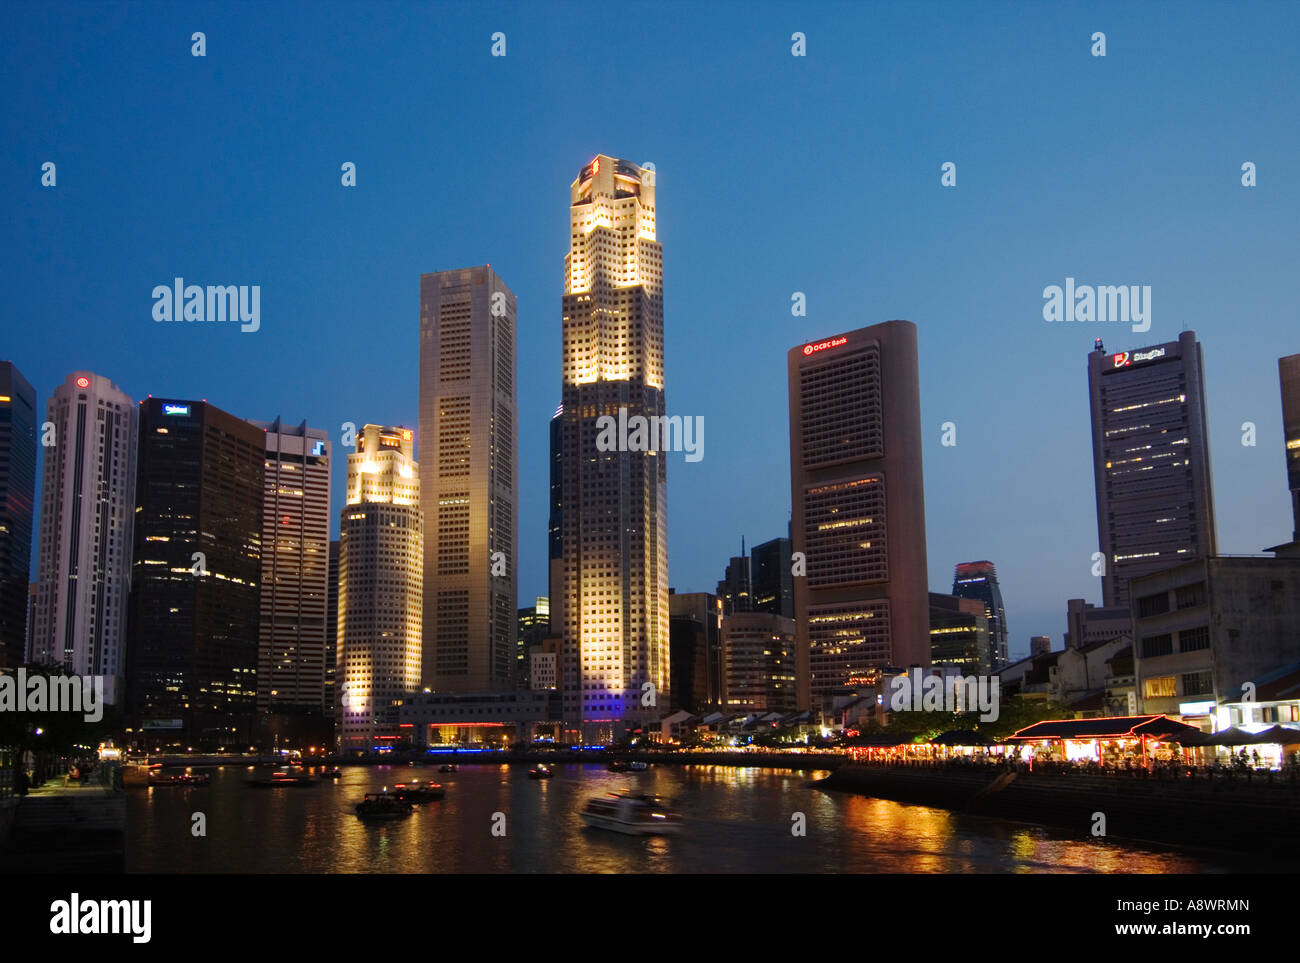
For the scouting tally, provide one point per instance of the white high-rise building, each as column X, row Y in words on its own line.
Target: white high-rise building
column 381, row 587
column 613, row 610
column 87, row 521
column 295, row 568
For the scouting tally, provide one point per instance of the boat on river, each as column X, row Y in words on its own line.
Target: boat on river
column 623, row 765
column 413, row 792
column 383, row 805
column 287, row 776
column 159, row 778
column 631, row 814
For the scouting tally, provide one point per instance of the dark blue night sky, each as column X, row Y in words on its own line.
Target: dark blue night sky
column 775, row 174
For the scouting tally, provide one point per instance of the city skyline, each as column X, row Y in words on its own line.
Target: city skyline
column 987, row 317
column 894, row 483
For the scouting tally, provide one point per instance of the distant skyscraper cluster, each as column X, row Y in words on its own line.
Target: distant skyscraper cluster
column 184, row 553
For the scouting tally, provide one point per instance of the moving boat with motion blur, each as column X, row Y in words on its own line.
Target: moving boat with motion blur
column 413, row 792
column 631, row 814
column 279, row 778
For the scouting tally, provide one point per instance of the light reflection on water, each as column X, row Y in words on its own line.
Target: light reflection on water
column 738, row 821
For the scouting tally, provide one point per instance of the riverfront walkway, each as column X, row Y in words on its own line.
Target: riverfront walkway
column 73, row 828
column 1259, row 812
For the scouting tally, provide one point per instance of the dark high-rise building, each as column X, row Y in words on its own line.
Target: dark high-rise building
column 959, row 633
column 31, row 615
column 859, row 507
column 1151, row 460
column 979, row 580
column 736, row 588
column 534, row 626
column 614, row 599
column 696, row 650
column 688, row 655
column 554, row 527
column 17, row 496
column 468, row 470
column 1288, row 370
column 770, row 568
column 758, row 663
column 1040, row 645
column 193, row 624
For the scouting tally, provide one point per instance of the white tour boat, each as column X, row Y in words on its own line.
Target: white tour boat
column 635, row 815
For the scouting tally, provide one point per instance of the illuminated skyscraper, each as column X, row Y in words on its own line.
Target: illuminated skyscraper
column 332, row 634
column 87, row 519
column 381, row 587
column 859, row 507
column 17, row 496
column 1151, row 461
column 614, row 600
column 468, row 465
column 295, row 570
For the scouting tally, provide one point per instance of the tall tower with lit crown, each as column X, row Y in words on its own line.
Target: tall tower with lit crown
column 614, row 599
column 381, row 587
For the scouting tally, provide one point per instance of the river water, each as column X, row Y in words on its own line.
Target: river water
column 737, row 821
